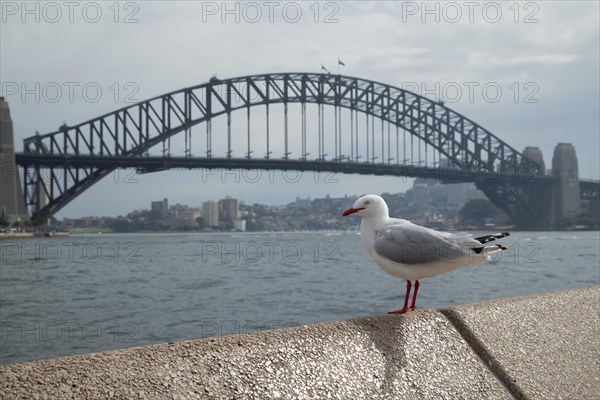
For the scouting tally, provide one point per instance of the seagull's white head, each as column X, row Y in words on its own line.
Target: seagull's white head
column 369, row 206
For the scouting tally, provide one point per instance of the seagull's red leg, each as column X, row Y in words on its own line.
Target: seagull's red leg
column 413, row 304
column 405, row 308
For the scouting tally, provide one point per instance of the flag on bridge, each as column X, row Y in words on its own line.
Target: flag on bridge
column 324, row 69
column 341, row 63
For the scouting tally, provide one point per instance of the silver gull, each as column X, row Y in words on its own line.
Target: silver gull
column 413, row 252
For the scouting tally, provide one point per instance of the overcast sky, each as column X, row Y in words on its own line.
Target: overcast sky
column 544, row 57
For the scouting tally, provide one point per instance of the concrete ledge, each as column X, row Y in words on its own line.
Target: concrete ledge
column 543, row 346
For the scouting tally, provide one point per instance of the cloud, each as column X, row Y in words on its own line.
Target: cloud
column 493, row 60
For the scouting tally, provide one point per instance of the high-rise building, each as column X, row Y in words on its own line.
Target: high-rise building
column 210, row 212
column 229, row 209
column 160, row 208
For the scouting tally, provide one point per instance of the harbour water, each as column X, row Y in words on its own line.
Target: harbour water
column 89, row 293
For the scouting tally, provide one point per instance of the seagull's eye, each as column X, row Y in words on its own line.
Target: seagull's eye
column 367, row 203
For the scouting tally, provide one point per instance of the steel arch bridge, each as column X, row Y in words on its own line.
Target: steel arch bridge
column 61, row 165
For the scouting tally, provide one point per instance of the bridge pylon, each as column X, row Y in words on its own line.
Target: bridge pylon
column 566, row 200
column 12, row 203
column 548, row 204
column 538, row 195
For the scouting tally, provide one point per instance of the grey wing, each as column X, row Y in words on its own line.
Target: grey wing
column 464, row 239
column 413, row 244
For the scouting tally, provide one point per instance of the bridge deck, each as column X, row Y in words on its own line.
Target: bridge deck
column 158, row 163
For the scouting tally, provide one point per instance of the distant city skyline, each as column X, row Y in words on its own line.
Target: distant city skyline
column 228, row 208
column 427, row 201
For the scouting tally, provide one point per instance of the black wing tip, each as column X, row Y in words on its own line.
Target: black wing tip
column 478, row 250
column 500, row 235
column 490, row 238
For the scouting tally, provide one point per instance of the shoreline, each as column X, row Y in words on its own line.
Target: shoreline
column 28, row 235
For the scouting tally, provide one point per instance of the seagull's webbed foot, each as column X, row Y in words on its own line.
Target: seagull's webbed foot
column 414, row 300
column 404, row 310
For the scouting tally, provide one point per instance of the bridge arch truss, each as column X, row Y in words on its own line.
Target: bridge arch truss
column 60, row 165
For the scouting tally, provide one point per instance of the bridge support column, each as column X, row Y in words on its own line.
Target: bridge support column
column 539, row 196
column 566, row 201
column 12, row 203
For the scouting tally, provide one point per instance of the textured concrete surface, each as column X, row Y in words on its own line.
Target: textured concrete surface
column 415, row 356
column 546, row 346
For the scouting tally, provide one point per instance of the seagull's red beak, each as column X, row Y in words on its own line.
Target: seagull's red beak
column 351, row 211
